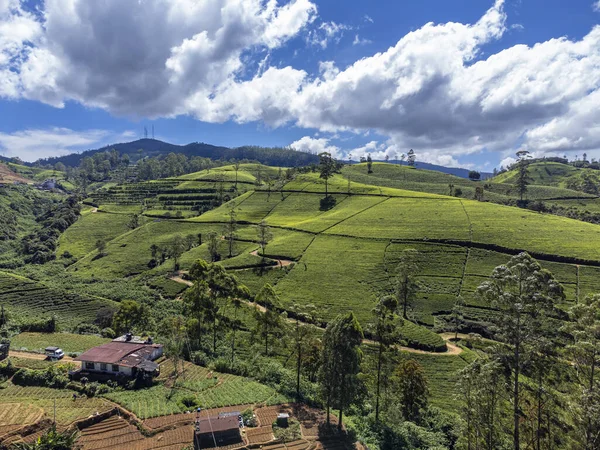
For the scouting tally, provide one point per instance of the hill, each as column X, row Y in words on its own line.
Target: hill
column 7, row 175
column 342, row 258
column 155, row 148
column 456, row 171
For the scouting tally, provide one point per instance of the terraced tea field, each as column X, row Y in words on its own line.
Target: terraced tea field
column 208, row 391
column 67, row 409
column 29, row 301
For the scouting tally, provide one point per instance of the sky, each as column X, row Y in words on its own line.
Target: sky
column 465, row 83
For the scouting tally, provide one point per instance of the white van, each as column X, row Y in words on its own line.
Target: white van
column 54, row 353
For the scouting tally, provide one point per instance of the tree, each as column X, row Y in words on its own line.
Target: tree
column 412, row 390
column 176, row 248
column 340, row 366
column 411, row 157
column 405, row 285
column 327, row 168
column 129, row 315
column 213, row 246
column 101, row 246
column 524, row 294
column 385, row 325
column 212, row 286
column 480, row 391
column 474, row 175
column 230, row 229
column 51, row 440
column 236, row 167
column 264, row 235
column 369, row 164
column 523, row 179
column 134, row 221
column 585, row 329
column 457, row 316
column 269, row 320
column 451, row 189
column 237, row 303
column 301, row 336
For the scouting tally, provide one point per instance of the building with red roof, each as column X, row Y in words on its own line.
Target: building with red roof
column 125, row 356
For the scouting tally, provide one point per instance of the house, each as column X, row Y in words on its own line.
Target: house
column 125, row 356
column 222, row 431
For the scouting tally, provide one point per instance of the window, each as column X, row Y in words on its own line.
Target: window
column 102, row 366
column 115, row 368
column 89, row 365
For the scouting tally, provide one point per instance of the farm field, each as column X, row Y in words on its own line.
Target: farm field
column 67, row 409
column 70, row 343
column 25, row 299
column 207, row 391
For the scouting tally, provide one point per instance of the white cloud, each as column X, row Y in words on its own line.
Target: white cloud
column 327, row 32
column 360, row 41
column 433, row 90
column 509, row 160
column 30, row 145
column 315, row 146
column 144, row 58
column 596, row 6
column 368, row 19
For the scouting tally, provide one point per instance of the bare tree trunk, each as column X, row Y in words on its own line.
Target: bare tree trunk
column 340, row 422
column 378, row 380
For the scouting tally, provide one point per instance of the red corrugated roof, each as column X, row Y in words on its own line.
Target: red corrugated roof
column 216, row 424
column 110, row 353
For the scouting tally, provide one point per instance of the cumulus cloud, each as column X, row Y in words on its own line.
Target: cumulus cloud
column 433, row 91
column 30, row 145
column 315, row 146
column 145, row 58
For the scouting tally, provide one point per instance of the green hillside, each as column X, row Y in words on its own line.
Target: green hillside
column 542, row 173
column 345, row 256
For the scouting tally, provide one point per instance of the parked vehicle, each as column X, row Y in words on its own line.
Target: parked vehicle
column 54, row 353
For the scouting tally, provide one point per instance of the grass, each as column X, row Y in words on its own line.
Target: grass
column 67, row 409
column 70, row 343
column 406, row 218
column 26, row 301
column 226, row 390
column 80, row 238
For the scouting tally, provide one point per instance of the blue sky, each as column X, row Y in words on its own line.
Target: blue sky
column 485, row 79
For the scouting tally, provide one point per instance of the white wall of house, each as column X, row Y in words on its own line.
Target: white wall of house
column 105, row 368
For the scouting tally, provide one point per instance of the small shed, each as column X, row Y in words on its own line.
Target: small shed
column 220, row 430
column 283, row 420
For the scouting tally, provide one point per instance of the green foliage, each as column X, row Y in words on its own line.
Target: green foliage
column 51, row 440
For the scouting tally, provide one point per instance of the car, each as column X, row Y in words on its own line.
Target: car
column 54, row 353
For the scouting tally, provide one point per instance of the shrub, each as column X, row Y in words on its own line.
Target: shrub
column 108, row 333
column 87, row 328
column 189, row 401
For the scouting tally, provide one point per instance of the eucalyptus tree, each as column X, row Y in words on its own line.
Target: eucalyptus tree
column 339, row 374
column 585, row 329
column 524, row 294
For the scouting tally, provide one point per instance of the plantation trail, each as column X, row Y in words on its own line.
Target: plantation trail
column 36, row 356
column 453, row 349
column 280, row 262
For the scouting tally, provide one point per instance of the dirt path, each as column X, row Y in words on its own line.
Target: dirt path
column 94, row 210
column 452, row 348
column 36, row 356
column 280, row 262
